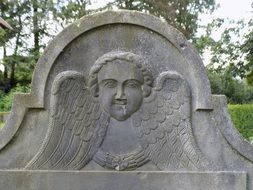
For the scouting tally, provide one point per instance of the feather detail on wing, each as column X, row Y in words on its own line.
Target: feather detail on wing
column 77, row 125
column 163, row 125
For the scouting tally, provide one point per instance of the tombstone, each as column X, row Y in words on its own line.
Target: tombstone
column 121, row 100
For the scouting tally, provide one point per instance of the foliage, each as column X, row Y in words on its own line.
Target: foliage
column 2, row 37
column 236, row 90
column 233, row 49
column 249, row 78
column 242, row 117
column 182, row 14
column 67, row 11
column 30, row 20
column 23, row 68
column 15, row 12
column 3, row 116
column 247, row 49
column 6, row 99
column 33, row 22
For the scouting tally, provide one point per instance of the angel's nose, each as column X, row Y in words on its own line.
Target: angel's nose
column 120, row 93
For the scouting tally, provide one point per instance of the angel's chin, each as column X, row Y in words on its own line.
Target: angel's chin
column 120, row 114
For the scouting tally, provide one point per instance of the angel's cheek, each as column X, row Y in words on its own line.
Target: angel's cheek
column 106, row 97
column 134, row 99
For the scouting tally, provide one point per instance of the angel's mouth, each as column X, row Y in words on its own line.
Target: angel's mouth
column 120, row 102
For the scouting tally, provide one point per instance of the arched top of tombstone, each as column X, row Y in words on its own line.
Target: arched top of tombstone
column 78, row 47
column 162, row 46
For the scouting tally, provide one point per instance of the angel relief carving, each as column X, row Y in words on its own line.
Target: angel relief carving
column 120, row 88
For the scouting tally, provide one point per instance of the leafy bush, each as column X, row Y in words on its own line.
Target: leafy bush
column 236, row 90
column 242, row 117
column 6, row 99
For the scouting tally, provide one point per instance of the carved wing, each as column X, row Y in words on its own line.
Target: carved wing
column 77, row 125
column 163, row 125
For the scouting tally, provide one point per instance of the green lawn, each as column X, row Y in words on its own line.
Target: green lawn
column 242, row 117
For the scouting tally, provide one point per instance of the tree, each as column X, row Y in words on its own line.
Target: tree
column 12, row 11
column 30, row 20
column 234, row 48
column 247, row 49
column 67, row 11
column 34, row 20
column 182, row 14
column 236, row 90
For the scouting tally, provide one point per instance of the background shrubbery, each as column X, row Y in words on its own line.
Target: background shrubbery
column 237, row 91
column 6, row 99
column 242, row 117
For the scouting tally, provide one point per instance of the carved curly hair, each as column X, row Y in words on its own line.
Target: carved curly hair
column 126, row 56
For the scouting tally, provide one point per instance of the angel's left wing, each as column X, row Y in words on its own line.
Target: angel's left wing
column 163, row 125
column 77, row 125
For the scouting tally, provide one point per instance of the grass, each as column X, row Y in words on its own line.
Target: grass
column 242, row 117
column 1, row 125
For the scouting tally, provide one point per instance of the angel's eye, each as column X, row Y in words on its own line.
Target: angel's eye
column 132, row 84
column 110, row 84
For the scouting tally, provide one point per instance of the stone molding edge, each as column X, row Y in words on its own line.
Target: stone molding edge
column 123, row 172
column 21, row 102
column 58, row 180
column 228, row 131
column 36, row 98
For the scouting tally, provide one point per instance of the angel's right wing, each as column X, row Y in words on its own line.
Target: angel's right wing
column 163, row 125
column 77, row 125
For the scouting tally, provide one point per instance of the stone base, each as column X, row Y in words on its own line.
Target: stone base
column 130, row 180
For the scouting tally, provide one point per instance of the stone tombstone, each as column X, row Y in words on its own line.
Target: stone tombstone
column 121, row 100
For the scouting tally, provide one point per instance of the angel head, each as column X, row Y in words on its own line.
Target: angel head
column 120, row 80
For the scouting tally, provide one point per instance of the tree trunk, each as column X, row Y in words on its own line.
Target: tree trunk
column 12, row 75
column 129, row 4
column 5, row 68
column 36, row 33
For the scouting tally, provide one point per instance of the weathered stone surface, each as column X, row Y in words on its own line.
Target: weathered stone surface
column 120, row 91
column 71, row 180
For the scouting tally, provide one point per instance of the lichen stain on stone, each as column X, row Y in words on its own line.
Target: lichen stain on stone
column 142, row 175
column 78, row 23
column 24, row 181
column 128, row 38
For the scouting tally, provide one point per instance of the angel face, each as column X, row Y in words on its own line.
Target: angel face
column 120, row 89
